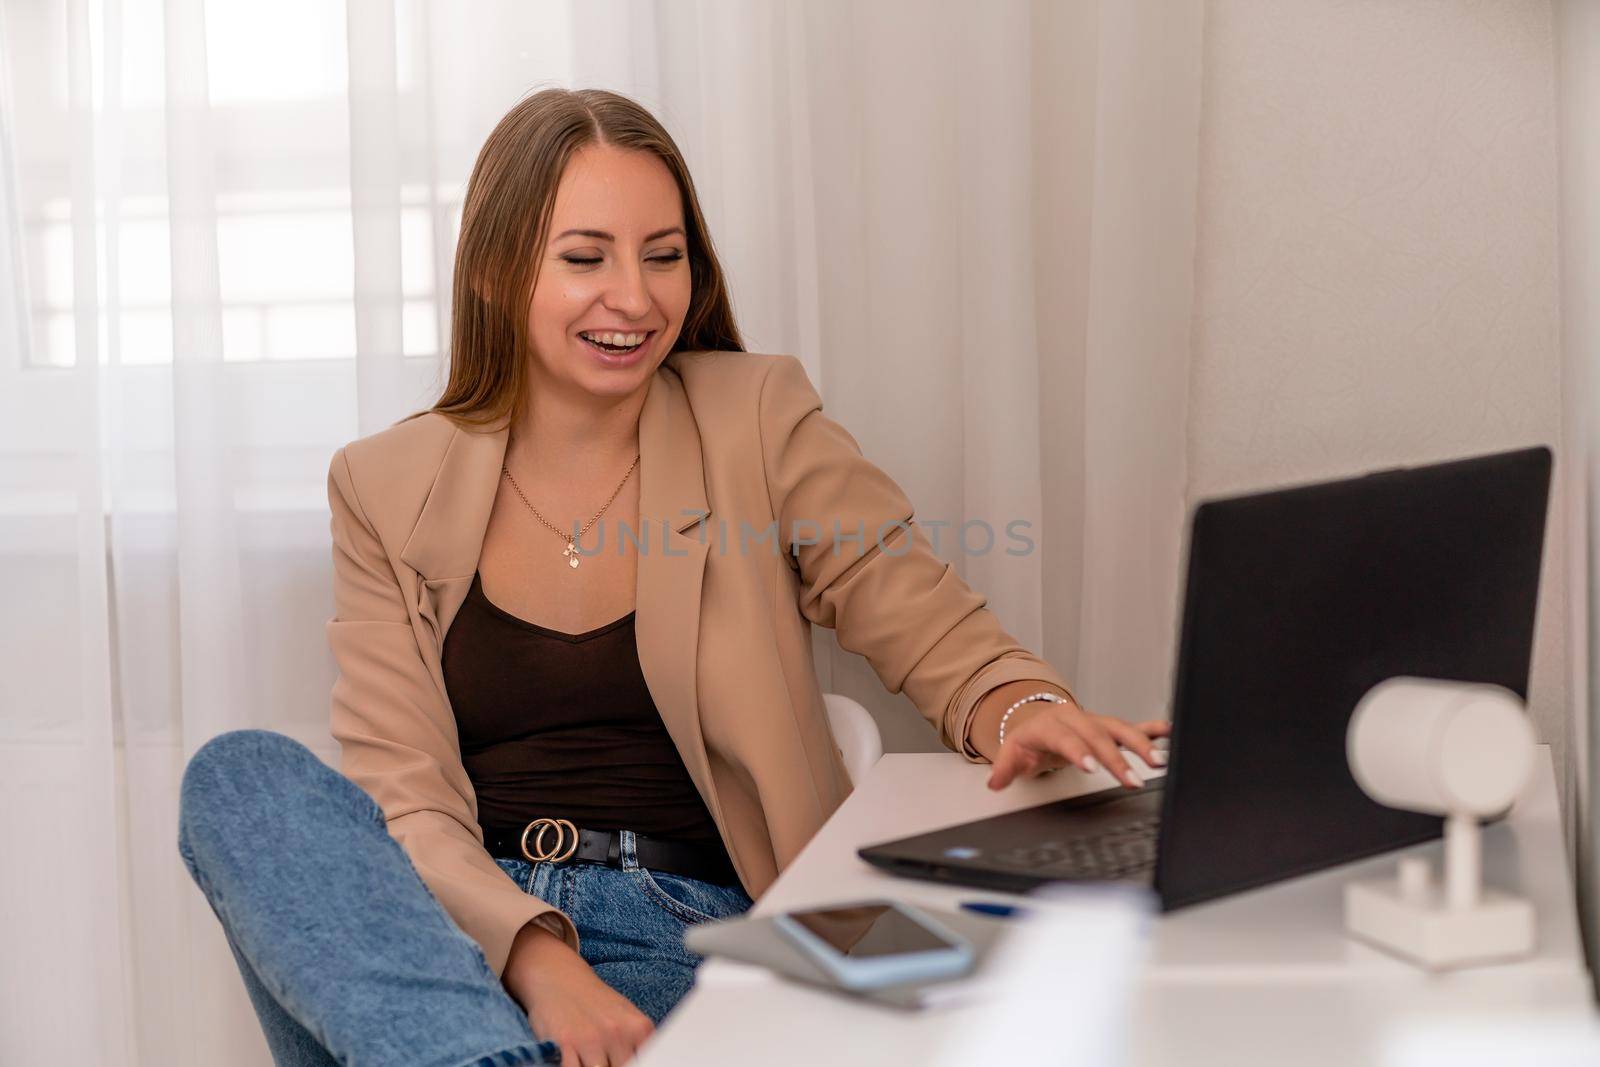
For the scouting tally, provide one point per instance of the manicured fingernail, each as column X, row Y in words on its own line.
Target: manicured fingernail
column 1132, row 779
column 1158, row 758
column 1090, row 764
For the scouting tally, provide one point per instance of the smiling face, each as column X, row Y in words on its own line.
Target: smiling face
column 615, row 262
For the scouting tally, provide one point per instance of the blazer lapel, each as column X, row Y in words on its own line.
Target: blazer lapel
column 445, row 545
column 672, row 564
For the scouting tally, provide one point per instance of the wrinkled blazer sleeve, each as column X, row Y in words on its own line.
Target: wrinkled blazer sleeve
column 890, row 599
column 398, row 740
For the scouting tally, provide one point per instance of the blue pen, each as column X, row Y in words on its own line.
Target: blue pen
column 998, row 911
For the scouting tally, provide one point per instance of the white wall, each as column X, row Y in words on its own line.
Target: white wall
column 1377, row 277
column 1578, row 69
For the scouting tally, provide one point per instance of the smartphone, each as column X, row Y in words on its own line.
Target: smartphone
column 877, row 943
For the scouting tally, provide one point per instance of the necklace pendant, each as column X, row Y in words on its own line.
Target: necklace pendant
column 571, row 552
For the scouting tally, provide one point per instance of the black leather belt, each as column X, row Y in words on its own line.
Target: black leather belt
column 558, row 841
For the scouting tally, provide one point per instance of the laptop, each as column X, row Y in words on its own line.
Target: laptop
column 1297, row 602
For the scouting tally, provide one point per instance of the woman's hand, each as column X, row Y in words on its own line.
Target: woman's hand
column 1042, row 735
column 569, row 1004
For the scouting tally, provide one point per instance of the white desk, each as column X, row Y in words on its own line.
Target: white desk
column 1261, row 977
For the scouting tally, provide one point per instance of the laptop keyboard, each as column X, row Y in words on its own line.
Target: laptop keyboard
column 1125, row 850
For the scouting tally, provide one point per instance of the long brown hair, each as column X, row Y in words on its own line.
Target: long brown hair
column 510, row 198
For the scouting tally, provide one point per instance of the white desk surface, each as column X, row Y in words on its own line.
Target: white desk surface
column 1265, row 976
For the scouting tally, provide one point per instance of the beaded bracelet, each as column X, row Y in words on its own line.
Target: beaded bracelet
column 1053, row 698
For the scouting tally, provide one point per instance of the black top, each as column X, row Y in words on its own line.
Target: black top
column 563, row 725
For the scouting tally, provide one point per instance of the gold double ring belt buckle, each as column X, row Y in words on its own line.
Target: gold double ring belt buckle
column 559, row 851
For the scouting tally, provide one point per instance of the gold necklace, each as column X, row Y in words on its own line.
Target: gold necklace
column 571, row 551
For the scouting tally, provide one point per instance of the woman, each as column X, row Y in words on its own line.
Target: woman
column 575, row 683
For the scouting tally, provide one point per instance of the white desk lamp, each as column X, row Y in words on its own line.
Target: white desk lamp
column 1456, row 749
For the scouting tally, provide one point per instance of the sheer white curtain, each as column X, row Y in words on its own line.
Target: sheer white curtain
column 226, row 234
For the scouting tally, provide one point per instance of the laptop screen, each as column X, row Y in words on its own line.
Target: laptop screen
column 1299, row 601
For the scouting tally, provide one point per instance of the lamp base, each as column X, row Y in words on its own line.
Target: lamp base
column 1430, row 932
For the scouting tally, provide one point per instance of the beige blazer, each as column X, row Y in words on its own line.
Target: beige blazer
column 725, row 438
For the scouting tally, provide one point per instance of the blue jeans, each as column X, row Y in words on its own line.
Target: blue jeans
column 347, row 956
